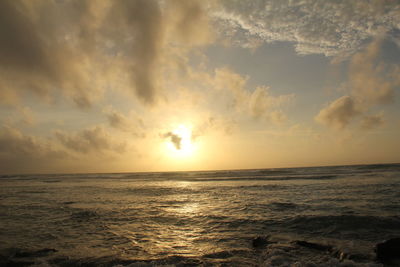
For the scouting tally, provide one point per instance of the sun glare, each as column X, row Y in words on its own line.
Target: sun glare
column 179, row 143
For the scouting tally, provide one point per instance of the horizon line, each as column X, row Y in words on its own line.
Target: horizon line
column 204, row 170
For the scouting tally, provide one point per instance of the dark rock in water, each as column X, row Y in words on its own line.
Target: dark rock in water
column 13, row 263
column 261, row 242
column 316, row 246
column 388, row 250
column 178, row 261
column 37, row 253
column 20, row 257
column 343, row 255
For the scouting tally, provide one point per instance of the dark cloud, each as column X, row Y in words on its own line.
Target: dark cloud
column 76, row 48
column 339, row 113
column 175, row 139
column 94, row 139
column 21, row 46
column 118, row 120
column 372, row 121
column 190, row 21
column 142, row 21
column 23, row 51
column 56, row 45
column 151, row 28
column 36, row 54
column 14, row 142
column 23, row 153
column 132, row 124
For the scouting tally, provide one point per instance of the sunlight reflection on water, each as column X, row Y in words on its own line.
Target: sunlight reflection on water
column 195, row 215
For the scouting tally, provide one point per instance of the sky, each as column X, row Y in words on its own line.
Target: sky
column 171, row 85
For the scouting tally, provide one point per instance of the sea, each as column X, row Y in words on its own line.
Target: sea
column 201, row 218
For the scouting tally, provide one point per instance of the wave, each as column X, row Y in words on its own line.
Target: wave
column 352, row 225
column 394, row 166
column 275, row 254
column 263, row 178
column 282, row 206
column 329, row 172
column 84, row 215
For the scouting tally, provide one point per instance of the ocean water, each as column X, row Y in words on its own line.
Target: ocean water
column 200, row 218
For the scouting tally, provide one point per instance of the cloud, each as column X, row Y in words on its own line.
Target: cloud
column 338, row 113
column 370, row 80
column 189, row 21
column 372, row 121
column 36, row 57
column 21, row 46
column 371, row 83
column 78, row 49
column 91, row 140
column 259, row 104
column 20, row 152
column 119, row 121
column 149, row 31
column 20, row 116
column 8, row 96
column 225, row 125
column 332, row 28
column 24, row 153
column 142, row 22
column 27, row 116
column 175, row 139
column 12, row 141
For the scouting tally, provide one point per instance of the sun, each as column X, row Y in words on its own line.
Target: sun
column 179, row 142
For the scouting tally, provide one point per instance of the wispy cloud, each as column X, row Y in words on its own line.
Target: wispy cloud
column 371, row 83
column 371, row 80
column 332, row 28
column 259, row 103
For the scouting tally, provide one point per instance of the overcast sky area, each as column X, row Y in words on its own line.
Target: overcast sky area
column 103, row 86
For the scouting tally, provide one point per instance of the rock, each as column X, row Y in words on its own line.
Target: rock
column 36, row 253
column 388, row 251
column 345, row 255
column 315, row 246
column 20, row 263
column 261, row 242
